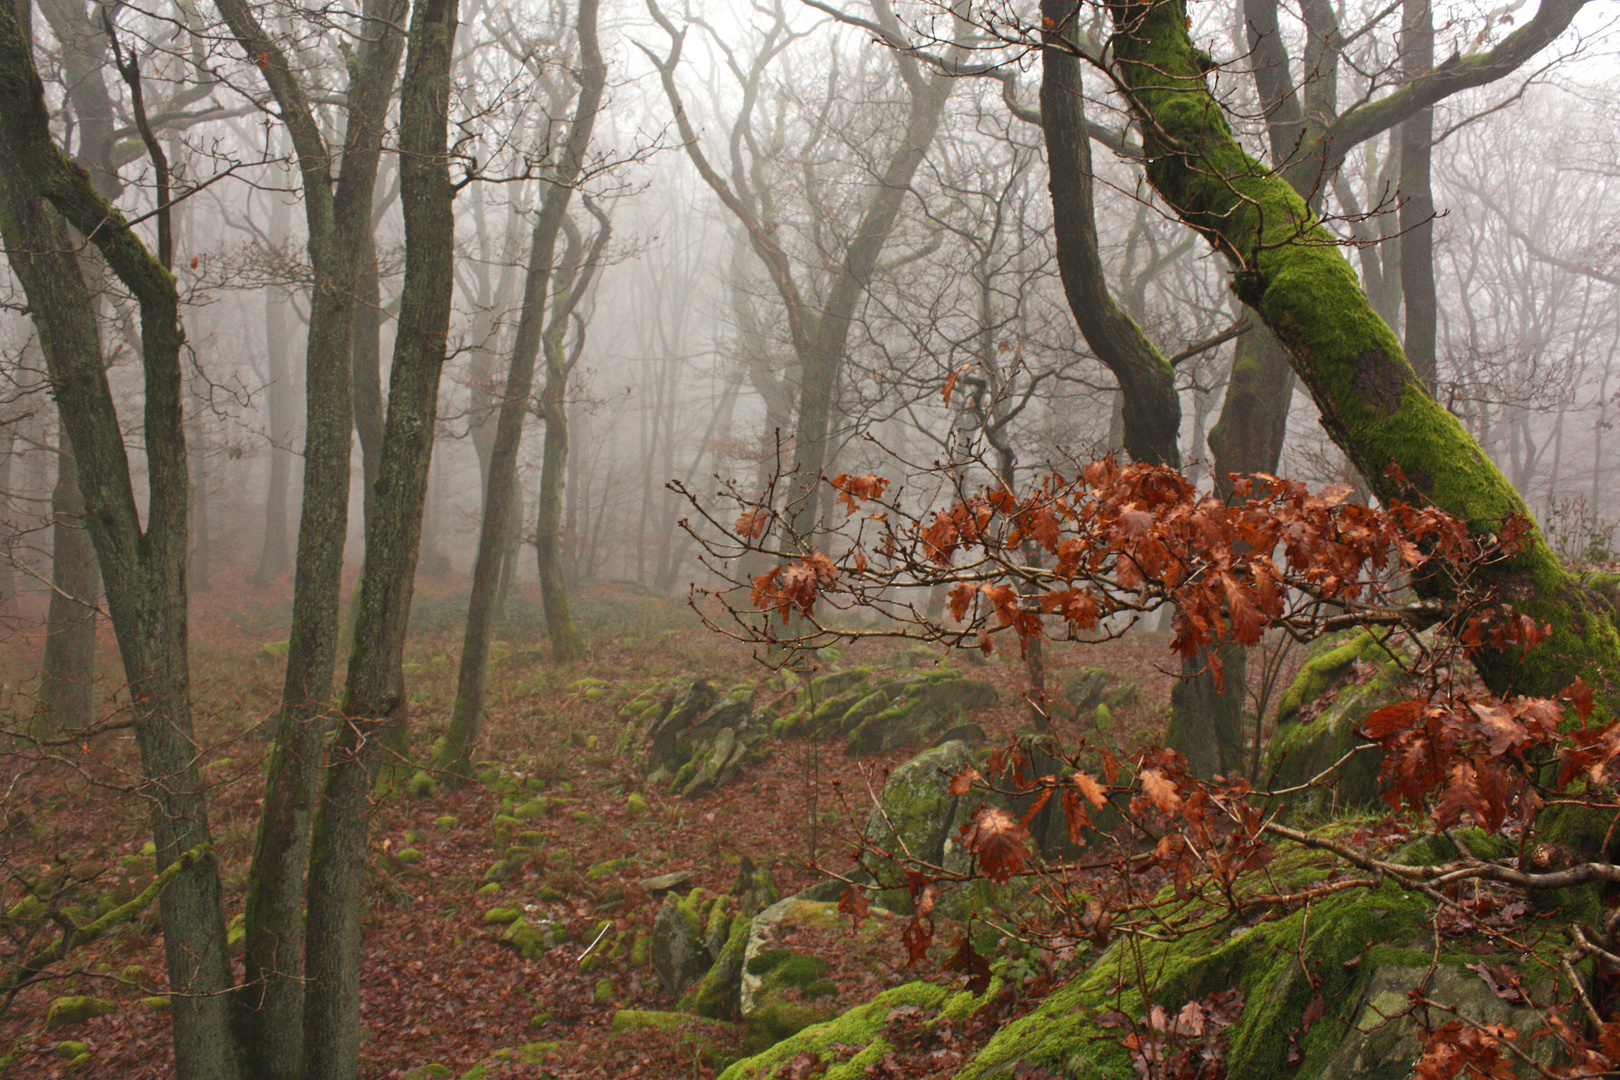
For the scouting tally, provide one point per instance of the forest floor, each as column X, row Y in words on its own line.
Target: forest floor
column 439, row 987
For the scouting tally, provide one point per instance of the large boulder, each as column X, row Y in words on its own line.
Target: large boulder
column 1351, row 958
column 854, row 1044
column 1319, row 721
column 918, row 817
column 785, row 984
column 1088, row 688
column 1349, row 962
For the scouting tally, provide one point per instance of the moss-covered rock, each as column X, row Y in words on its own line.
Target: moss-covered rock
column 609, row 867
column 701, row 740
column 1314, row 731
column 422, row 785
column 76, row 1009
column 68, row 1049
column 850, row 1044
column 679, row 955
column 531, row 940
column 919, row 815
column 431, row 1071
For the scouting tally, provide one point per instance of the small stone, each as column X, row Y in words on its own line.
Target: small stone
column 663, row 883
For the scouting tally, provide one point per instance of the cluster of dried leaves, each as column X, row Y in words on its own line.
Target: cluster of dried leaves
column 1115, row 539
column 1074, row 550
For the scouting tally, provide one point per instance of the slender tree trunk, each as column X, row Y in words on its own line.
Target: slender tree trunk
column 273, row 561
column 271, row 1002
column 66, row 684
column 144, row 568
column 367, row 367
column 374, row 693
column 200, row 563
column 1417, row 198
column 822, row 361
column 566, row 643
column 466, row 720
column 1206, row 720
column 9, row 569
column 1151, row 409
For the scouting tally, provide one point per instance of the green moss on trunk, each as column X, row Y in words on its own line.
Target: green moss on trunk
column 1289, row 269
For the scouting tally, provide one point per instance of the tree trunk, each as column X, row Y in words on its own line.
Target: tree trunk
column 144, row 569
column 374, row 692
column 1206, row 722
column 67, row 673
column 200, row 564
column 1417, row 198
column 822, row 360
column 1150, row 406
column 566, row 644
column 1372, row 404
column 271, row 1001
column 466, row 721
column 367, row 368
column 273, row 555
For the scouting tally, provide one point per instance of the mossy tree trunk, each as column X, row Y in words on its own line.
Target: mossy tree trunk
column 271, row 1001
column 501, row 489
column 374, row 694
column 1289, row 270
column 144, row 567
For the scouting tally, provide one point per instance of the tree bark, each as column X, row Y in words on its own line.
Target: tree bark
column 144, row 569
column 1151, row 406
column 374, row 691
column 66, row 682
column 270, row 1005
column 1206, row 722
column 1417, row 198
column 273, row 561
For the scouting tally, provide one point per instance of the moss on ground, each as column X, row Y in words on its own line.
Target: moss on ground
column 860, row 1029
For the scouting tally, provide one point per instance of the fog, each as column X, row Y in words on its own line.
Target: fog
column 734, row 233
